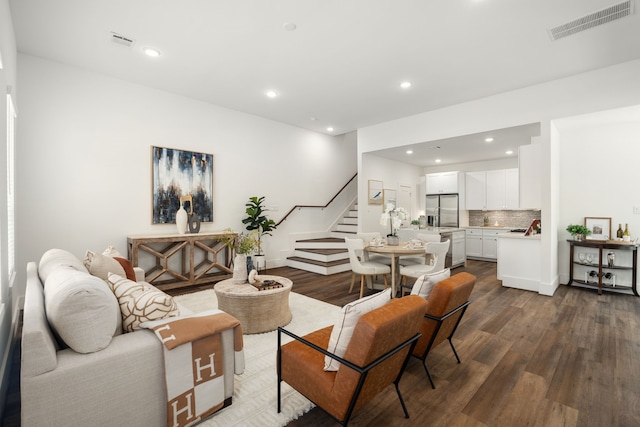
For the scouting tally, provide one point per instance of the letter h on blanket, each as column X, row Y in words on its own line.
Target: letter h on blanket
column 194, row 361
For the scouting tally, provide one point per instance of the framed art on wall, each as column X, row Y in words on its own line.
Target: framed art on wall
column 389, row 196
column 375, row 192
column 178, row 173
column 600, row 227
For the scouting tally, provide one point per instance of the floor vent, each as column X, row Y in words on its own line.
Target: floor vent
column 122, row 40
column 600, row 17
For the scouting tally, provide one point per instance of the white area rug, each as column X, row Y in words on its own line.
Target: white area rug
column 255, row 397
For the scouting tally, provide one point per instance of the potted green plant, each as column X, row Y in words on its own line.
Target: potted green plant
column 243, row 245
column 415, row 224
column 578, row 231
column 257, row 220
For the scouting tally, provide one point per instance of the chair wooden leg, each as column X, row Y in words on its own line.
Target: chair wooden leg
column 362, row 280
column 353, row 280
column 386, row 284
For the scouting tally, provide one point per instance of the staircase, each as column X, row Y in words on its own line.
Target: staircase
column 326, row 255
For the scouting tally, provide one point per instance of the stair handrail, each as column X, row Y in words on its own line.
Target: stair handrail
column 317, row 206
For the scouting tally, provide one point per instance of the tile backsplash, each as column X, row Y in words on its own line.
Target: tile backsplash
column 517, row 219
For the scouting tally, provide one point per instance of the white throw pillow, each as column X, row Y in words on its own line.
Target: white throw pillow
column 81, row 309
column 140, row 302
column 425, row 283
column 346, row 323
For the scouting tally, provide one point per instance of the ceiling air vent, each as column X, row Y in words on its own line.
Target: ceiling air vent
column 594, row 19
column 122, row 40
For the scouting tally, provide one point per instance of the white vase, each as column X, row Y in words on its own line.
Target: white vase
column 181, row 220
column 240, row 269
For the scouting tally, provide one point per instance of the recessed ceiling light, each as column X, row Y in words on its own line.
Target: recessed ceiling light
column 271, row 94
column 409, row 151
column 152, row 52
column 289, row 26
column 313, row 119
column 488, row 139
column 329, row 129
column 508, row 152
column 406, row 85
column 438, row 160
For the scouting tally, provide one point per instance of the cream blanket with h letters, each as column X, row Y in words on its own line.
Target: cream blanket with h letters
column 193, row 362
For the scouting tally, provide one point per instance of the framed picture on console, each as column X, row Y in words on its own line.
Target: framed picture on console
column 176, row 173
column 600, row 227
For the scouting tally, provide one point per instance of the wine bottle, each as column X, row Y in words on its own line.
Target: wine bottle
column 619, row 232
column 625, row 236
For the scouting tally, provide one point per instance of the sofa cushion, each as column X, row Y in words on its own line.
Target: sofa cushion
column 107, row 262
column 81, row 309
column 140, row 302
column 346, row 323
column 54, row 258
column 425, row 283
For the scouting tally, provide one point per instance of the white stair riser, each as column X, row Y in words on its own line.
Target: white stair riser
column 321, row 245
column 321, row 257
column 348, row 220
column 347, row 227
column 326, row 271
column 352, row 214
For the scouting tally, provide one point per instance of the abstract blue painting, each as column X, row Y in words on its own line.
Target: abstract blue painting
column 178, row 173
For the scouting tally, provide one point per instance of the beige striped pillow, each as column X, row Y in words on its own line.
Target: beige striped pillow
column 140, row 302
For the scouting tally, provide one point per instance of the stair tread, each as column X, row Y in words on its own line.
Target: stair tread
column 321, row 263
column 323, row 240
column 323, row 251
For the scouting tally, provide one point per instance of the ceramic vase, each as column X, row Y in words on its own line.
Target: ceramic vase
column 182, row 218
column 240, row 269
column 393, row 240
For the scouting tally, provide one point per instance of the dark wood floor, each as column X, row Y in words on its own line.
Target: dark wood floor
column 528, row 360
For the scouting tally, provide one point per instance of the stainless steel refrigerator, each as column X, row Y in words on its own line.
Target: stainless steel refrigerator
column 442, row 210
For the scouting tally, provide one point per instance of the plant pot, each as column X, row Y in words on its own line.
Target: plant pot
column 393, row 240
column 577, row 237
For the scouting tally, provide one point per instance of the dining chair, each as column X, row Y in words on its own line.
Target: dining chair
column 362, row 267
column 422, row 259
column 368, row 237
column 438, row 250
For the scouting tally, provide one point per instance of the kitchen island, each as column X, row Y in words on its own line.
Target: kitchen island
column 519, row 261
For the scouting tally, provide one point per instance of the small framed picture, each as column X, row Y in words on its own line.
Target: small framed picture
column 600, row 227
column 389, row 196
column 375, row 192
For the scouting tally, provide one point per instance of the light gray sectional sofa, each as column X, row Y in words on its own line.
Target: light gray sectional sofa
column 106, row 378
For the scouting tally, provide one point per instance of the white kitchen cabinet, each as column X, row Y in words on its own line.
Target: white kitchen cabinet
column 442, row 182
column 458, row 256
column 529, row 179
column 490, row 243
column 474, row 242
column 475, row 191
column 482, row 243
column 502, row 189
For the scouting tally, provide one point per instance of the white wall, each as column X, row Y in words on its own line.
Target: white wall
column 604, row 89
column 392, row 174
column 599, row 174
column 8, row 307
column 84, row 162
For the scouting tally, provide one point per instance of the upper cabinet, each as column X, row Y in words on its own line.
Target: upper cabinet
column 442, row 182
column 475, row 183
column 529, row 166
column 502, row 189
column 492, row 190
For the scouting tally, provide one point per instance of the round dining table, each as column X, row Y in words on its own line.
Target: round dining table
column 395, row 252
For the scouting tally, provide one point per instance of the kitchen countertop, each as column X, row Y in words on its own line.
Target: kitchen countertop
column 518, row 236
column 434, row 229
column 492, row 227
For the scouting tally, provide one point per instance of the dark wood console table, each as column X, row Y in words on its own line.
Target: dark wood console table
column 177, row 260
column 602, row 265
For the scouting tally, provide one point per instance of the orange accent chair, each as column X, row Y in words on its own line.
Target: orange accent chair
column 377, row 355
column 446, row 305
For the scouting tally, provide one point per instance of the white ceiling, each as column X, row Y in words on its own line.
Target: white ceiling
column 343, row 63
